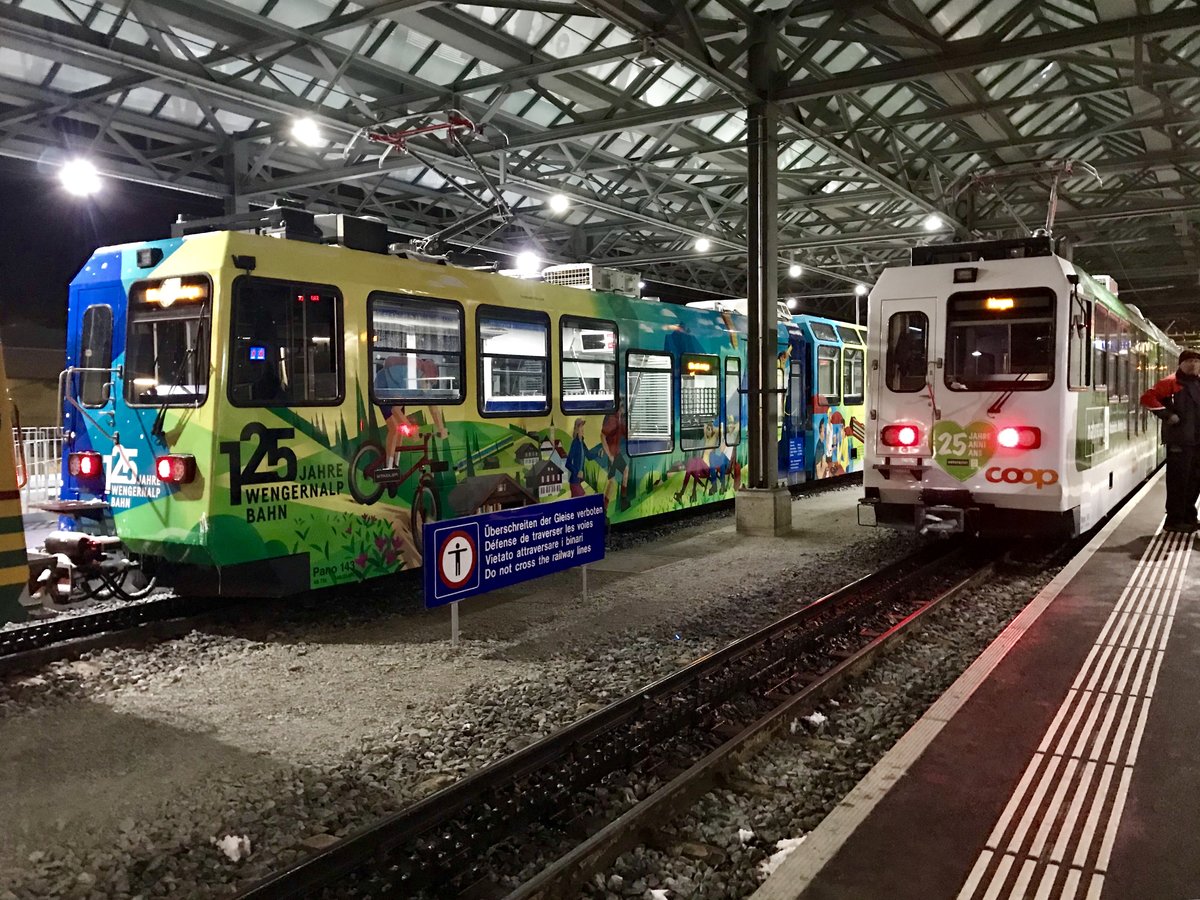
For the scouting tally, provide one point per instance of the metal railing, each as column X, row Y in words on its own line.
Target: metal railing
column 39, row 464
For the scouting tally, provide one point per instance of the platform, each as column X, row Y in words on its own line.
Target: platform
column 1063, row 763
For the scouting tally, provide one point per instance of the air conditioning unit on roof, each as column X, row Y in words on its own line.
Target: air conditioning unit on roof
column 593, row 278
column 1110, row 283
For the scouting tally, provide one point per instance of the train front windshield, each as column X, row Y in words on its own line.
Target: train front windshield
column 1000, row 340
column 166, row 361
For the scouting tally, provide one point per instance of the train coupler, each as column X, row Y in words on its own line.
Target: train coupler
column 944, row 520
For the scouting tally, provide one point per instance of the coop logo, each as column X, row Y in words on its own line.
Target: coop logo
column 1040, row 477
column 122, row 466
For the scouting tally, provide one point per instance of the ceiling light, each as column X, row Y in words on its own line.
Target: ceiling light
column 860, row 290
column 559, row 203
column 703, row 244
column 80, row 177
column 306, row 131
column 528, row 263
column 791, row 301
column 795, row 270
column 933, row 222
column 641, row 285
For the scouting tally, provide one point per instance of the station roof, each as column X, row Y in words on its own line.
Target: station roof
column 636, row 111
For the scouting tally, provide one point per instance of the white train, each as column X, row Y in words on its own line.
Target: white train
column 1003, row 397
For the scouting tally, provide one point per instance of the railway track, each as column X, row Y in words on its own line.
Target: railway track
column 688, row 728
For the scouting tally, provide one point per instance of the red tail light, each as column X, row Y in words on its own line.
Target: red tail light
column 900, row 435
column 176, row 468
column 85, row 464
column 1019, row 437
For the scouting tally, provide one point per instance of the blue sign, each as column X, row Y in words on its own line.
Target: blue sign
column 474, row 554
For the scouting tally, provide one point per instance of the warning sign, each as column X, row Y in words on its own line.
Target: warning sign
column 493, row 550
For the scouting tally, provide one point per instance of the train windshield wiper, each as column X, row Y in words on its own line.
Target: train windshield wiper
column 996, row 407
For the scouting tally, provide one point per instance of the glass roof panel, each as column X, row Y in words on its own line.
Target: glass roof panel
column 526, row 25
column 401, row 49
column 444, row 65
column 24, row 66
column 348, row 38
column 299, row 13
column 69, row 79
column 180, row 109
column 133, row 32
column 142, row 99
column 603, row 71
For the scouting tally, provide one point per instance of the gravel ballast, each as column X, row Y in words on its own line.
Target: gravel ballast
column 136, row 771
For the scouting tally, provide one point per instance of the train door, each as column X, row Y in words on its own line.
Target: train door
column 906, row 357
column 89, row 390
column 793, row 420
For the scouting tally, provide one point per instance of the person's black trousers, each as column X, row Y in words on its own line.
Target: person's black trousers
column 1183, row 483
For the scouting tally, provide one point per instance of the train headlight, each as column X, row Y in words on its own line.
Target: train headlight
column 175, row 468
column 900, row 435
column 1019, row 437
column 85, row 464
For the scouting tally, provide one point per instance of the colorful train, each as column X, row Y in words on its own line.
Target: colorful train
column 282, row 406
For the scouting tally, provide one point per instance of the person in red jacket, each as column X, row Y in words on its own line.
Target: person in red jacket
column 1176, row 402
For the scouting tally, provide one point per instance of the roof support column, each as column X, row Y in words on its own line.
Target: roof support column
column 763, row 508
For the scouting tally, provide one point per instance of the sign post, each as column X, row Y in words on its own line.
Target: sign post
column 475, row 554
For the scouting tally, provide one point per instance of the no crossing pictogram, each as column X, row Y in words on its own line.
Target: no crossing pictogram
column 457, row 556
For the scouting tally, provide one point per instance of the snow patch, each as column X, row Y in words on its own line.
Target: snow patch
column 783, row 849
column 236, row 847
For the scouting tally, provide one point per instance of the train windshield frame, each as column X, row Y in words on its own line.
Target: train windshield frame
column 1000, row 340
column 168, row 342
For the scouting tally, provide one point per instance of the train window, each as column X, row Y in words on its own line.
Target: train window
column 166, row 350
column 95, row 352
column 1102, row 319
column 699, row 402
column 514, row 361
column 823, row 331
column 848, row 335
column 589, row 365
column 907, row 352
column 416, row 349
column 852, row 375
column 1079, row 356
column 733, row 401
column 286, row 347
column 1000, row 340
column 650, row 424
column 827, row 374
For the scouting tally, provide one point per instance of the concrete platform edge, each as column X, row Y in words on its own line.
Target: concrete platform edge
column 824, row 842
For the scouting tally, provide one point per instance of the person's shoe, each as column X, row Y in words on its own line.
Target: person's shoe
column 1180, row 527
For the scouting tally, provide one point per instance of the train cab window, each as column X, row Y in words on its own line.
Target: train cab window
column 416, row 350
column 514, row 361
column 907, row 352
column 733, row 401
column 95, row 352
column 827, row 374
column 649, row 420
column 699, row 402
column 589, row 365
column 1103, row 323
column 1000, row 340
column 286, row 346
column 848, row 335
column 167, row 346
column 823, row 331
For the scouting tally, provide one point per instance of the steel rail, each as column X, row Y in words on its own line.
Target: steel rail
column 436, row 834
column 563, row 878
column 41, row 642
